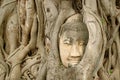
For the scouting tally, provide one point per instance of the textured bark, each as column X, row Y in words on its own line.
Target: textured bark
column 29, row 34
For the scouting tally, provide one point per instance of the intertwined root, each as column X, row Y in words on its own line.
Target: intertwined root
column 20, row 30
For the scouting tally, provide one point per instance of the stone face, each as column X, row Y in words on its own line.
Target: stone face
column 72, row 43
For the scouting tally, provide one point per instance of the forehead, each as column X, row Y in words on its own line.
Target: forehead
column 75, row 35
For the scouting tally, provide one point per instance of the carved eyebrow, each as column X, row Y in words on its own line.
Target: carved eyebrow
column 67, row 41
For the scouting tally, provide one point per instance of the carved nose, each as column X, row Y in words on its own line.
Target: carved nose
column 75, row 51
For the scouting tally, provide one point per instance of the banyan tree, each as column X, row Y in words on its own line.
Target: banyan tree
column 59, row 39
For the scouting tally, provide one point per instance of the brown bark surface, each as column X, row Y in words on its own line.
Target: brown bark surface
column 29, row 35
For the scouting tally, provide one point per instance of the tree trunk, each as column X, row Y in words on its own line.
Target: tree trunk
column 30, row 32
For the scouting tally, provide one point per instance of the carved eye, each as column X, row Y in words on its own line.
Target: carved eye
column 48, row 9
column 67, row 41
column 81, row 43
